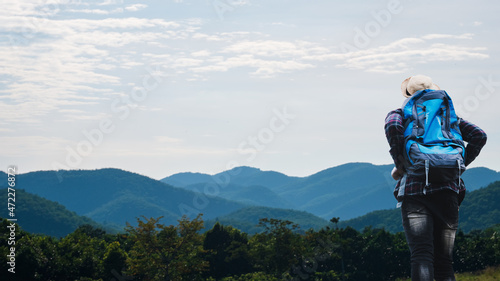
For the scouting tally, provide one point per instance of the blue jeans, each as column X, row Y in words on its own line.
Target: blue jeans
column 430, row 223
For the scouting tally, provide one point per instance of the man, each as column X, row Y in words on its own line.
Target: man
column 429, row 210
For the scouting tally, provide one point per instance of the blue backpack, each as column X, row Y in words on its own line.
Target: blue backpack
column 434, row 148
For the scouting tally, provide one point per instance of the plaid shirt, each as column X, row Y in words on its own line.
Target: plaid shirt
column 394, row 128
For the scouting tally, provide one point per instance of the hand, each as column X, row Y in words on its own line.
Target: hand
column 396, row 174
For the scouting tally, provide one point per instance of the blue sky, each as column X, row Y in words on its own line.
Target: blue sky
column 161, row 87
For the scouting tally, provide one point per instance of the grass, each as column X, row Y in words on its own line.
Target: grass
column 488, row 274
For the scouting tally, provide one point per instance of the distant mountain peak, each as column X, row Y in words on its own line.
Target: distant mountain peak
column 242, row 171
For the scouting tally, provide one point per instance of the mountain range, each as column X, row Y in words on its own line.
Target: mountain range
column 346, row 191
column 331, row 192
column 113, row 197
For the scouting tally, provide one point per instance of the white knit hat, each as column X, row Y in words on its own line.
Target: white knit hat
column 416, row 83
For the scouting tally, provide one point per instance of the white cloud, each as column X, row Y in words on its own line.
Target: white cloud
column 207, row 37
column 70, row 62
column 71, row 115
column 111, row 2
column 83, row 56
column 398, row 56
column 269, row 48
column 96, row 11
column 136, row 7
column 270, row 57
column 31, row 145
column 202, row 53
column 236, row 3
column 261, row 67
column 266, row 58
column 29, row 8
column 186, row 62
column 447, row 36
column 167, row 139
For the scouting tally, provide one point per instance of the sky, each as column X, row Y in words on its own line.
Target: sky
column 161, row 87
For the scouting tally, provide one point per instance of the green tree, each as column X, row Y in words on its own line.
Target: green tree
column 114, row 261
column 27, row 257
column 43, row 254
column 384, row 256
column 161, row 252
column 80, row 256
column 278, row 248
column 228, row 251
column 476, row 250
column 323, row 258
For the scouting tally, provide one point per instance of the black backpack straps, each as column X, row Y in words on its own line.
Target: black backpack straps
column 419, row 125
column 407, row 123
column 447, row 119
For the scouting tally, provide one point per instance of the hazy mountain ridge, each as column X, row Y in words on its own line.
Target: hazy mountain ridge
column 334, row 192
column 255, row 195
column 346, row 191
column 325, row 194
column 116, row 196
column 187, row 178
column 479, row 177
column 243, row 175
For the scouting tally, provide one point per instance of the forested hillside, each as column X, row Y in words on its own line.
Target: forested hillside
column 113, row 196
column 39, row 215
column 479, row 210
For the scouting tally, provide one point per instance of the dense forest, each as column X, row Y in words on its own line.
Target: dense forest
column 152, row 250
